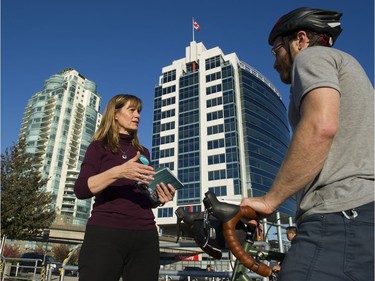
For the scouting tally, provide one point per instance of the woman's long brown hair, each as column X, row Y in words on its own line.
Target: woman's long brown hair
column 108, row 131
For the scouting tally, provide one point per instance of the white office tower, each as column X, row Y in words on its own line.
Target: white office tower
column 58, row 125
column 219, row 125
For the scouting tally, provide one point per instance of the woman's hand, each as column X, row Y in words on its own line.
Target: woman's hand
column 133, row 170
column 165, row 193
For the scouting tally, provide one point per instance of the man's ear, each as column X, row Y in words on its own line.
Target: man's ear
column 303, row 40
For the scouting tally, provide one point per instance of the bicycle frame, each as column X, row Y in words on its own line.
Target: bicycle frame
column 239, row 270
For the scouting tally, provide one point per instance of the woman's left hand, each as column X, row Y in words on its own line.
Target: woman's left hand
column 165, row 193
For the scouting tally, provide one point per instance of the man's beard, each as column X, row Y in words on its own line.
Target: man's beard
column 285, row 70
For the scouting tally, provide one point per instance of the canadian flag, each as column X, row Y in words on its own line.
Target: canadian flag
column 196, row 25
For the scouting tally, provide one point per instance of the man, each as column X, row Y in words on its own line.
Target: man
column 291, row 232
column 330, row 161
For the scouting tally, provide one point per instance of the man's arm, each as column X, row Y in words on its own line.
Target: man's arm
column 308, row 149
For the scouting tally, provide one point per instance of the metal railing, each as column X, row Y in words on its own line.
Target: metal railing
column 14, row 269
column 209, row 275
column 65, row 265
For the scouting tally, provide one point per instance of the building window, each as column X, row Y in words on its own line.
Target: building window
column 213, row 89
column 165, row 212
column 219, row 190
column 167, row 126
column 216, row 175
column 188, row 145
column 214, row 102
column 169, row 76
column 216, row 159
column 189, row 160
column 168, row 113
column 169, row 165
column 215, row 129
column 213, row 76
column 188, row 131
column 215, row 115
column 167, row 152
column 169, row 101
column 187, row 118
column 189, row 105
column 212, row 62
column 215, row 144
column 193, row 208
column 169, row 90
column 167, row 139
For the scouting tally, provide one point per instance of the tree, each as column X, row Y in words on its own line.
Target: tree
column 62, row 251
column 26, row 208
column 11, row 251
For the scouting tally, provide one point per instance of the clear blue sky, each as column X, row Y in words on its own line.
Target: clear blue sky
column 123, row 45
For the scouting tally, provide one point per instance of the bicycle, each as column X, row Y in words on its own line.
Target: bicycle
column 220, row 227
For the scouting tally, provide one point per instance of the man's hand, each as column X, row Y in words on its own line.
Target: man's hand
column 260, row 206
column 276, row 268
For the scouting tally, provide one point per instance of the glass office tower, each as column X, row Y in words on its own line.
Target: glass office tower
column 58, row 125
column 219, row 125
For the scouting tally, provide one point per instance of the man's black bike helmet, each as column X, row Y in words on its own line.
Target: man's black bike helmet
column 318, row 20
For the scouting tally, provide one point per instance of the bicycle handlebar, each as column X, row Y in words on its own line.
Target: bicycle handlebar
column 230, row 215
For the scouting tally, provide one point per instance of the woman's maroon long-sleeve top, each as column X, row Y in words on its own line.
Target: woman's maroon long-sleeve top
column 122, row 204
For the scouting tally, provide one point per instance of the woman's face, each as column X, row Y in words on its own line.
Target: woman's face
column 128, row 118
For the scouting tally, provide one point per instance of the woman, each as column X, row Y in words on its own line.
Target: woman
column 121, row 235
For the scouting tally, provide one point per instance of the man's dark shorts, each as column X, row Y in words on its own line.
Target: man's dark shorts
column 333, row 247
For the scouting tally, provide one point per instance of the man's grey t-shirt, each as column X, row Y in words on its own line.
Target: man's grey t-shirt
column 346, row 180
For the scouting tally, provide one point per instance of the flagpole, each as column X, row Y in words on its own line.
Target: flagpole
column 192, row 25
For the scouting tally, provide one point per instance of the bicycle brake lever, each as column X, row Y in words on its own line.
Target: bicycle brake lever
column 180, row 216
column 251, row 233
column 178, row 229
column 206, row 227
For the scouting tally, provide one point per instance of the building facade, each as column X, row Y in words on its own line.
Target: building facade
column 220, row 126
column 58, row 125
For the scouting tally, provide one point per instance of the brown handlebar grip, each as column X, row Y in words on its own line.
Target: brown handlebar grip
column 236, row 247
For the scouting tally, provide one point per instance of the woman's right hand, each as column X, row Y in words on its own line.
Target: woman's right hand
column 132, row 170
column 136, row 171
